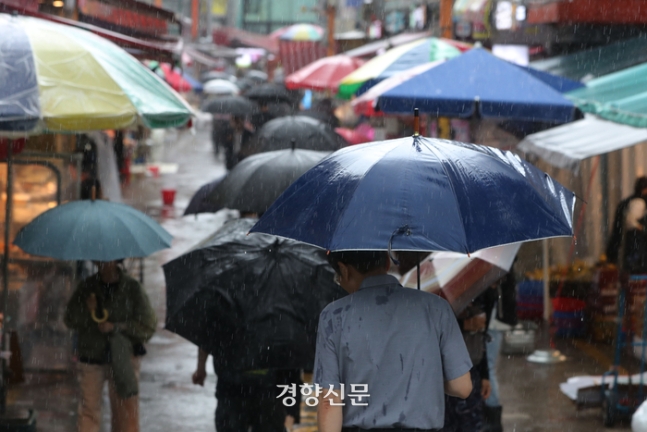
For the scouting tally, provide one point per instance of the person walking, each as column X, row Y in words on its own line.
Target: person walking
column 394, row 352
column 503, row 317
column 627, row 245
column 246, row 399
column 236, row 138
column 113, row 318
column 466, row 415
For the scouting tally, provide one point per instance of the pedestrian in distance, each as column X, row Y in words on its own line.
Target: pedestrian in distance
column 394, row 352
column 236, row 139
column 113, row 318
column 627, row 245
column 503, row 318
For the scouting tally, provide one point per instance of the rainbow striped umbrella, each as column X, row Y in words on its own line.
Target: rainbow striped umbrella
column 57, row 78
column 396, row 60
column 302, row 33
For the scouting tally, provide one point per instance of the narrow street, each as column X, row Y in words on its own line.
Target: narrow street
column 170, row 402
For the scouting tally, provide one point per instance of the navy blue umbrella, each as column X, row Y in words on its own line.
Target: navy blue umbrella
column 478, row 83
column 420, row 194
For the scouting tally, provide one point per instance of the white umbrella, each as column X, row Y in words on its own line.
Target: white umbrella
column 221, row 87
column 461, row 277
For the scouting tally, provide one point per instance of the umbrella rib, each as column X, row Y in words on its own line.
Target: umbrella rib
column 341, row 214
column 458, row 207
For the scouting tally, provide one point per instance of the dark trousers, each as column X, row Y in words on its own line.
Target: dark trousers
column 237, row 414
column 465, row 415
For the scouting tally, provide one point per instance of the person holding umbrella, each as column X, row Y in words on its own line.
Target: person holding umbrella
column 113, row 317
column 361, row 350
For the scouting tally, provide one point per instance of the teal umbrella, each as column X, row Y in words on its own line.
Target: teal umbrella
column 92, row 230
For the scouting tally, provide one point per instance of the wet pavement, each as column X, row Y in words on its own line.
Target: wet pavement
column 169, row 402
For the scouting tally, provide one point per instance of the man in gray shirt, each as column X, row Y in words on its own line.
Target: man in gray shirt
column 402, row 347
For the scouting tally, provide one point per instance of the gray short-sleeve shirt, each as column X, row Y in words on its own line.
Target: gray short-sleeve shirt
column 403, row 343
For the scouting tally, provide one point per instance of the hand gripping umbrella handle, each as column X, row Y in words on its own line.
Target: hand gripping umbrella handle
column 402, row 230
column 99, row 320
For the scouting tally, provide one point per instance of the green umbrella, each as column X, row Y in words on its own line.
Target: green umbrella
column 92, row 230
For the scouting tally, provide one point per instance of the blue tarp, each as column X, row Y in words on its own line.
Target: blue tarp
column 477, row 78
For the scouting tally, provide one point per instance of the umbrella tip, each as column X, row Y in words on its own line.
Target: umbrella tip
column 416, row 122
column 294, row 144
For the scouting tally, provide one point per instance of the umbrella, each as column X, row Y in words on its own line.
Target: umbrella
column 256, row 76
column 323, row 74
column 352, row 136
column 460, row 278
column 477, row 83
column 254, row 184
column 366, row 102
column 199, row 202
column 92, row 230
column 251, row 301
column 308, row 133
column 302, row 33
column 269, row 92
column 60, row 78
column 420, row 194
column 175, row 79
column 220, row 87
column 233, row 105
column 396, row 60
column 245, row 84
column 213, row 75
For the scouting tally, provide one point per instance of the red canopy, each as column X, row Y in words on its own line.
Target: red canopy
column 175, row 79
column 323, row 74
column 353, row 136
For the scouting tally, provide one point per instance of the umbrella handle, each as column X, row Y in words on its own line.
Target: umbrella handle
column 402, row 230
column 99, row 320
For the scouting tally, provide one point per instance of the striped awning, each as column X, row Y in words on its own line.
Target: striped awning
column 567, row 145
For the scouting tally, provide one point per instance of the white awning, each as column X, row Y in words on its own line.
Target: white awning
column 565, row 146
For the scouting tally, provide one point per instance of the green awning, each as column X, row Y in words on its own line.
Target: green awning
column 596, row 62
column 620, row 97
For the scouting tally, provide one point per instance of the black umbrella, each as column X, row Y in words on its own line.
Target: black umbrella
column 255, row 183
column 257, row 76
column 234, row 105
column 212, row 75
column 308, row 133
column 199, row 202
column 245, row 84
column 269, row 92
column 253, row 302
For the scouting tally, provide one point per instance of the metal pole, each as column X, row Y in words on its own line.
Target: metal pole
column 5, row 278
column 545, row 257
column 418, row 269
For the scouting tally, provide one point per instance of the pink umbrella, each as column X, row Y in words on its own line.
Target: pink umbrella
column 353, row 136
column 365, row 104
column 323, row 74
column 459, row 278
column 175, row 79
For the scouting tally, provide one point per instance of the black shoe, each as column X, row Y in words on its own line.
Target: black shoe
column 492, row 417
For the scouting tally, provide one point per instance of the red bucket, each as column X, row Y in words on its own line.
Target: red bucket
column 168, row 196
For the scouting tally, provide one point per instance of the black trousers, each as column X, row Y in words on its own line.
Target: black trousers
column 237, row 414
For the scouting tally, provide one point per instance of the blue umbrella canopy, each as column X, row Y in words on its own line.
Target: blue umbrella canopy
column 420, row 194
column 92, row 230
column 479, row 83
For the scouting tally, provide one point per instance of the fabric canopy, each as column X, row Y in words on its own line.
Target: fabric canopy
column 479, row 83
column 60, row 78
column 620, row 97
column 565, row 146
